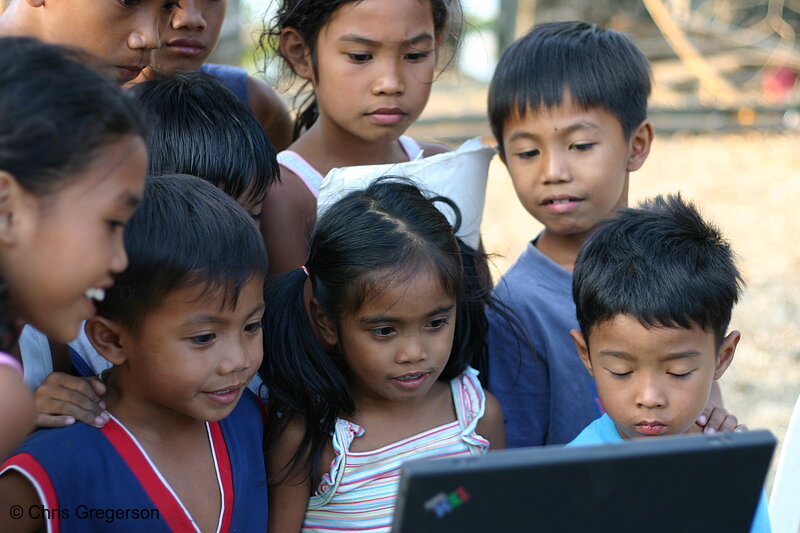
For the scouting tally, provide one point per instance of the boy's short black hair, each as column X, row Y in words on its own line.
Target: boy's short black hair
column 201, row 128
column 185, row 231
column 661, row 264
column 599, row 68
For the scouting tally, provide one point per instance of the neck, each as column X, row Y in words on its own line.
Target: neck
column 326, row 146
column 561, row 249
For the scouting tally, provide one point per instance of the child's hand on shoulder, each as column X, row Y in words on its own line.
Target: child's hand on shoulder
column 716, row 419
column 62, row 399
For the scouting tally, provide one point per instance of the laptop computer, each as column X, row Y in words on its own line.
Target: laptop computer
column 683, row 484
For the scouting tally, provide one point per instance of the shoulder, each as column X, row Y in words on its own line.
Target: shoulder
column 491, row 425
column 431, row 148
column 270, row 109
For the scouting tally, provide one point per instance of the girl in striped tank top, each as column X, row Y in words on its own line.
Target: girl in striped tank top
column 383, row 373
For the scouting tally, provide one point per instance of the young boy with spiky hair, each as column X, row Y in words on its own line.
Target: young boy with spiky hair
column 568, row 107
column 654, row 289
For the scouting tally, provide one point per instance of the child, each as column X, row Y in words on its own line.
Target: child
column 371, row 65
column 72, row 168
column 388, row 296
column 654, row 289
column 188, row 40
column 197, row 127
column 121, row 33
column 182, row 327
column 568, row 107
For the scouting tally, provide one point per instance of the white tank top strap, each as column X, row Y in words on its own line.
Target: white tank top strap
column 412, row 148
column 470, row 403
column 295, row 162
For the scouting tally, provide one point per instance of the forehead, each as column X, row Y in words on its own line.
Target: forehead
column 381, row 20
column 205, row 298
column 625, row 335
column 408, row 293
column 545, row 120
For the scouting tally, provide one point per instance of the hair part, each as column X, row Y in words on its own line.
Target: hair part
column 660, row 263
column 201, row 128
column 308, row 17
column 595, row 67
column 184, row 232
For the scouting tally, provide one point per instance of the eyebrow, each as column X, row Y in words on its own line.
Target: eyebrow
column 669, row 357
column 353, row 38
column 582, row 125
column 392, row 320
column 129, row 200
column 214, row 319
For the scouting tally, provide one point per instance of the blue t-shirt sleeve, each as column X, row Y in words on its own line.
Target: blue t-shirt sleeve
column 761, row 519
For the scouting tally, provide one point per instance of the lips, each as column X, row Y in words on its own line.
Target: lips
column 227, row 395
column 186, row 46
column 388, row 116
column 561, row 203
column 651, row 428
column 126, row 73
column 411, row 380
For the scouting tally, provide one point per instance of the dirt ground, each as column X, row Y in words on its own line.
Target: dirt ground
column 750, row 186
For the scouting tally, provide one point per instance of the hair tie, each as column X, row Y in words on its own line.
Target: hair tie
column 304, row 269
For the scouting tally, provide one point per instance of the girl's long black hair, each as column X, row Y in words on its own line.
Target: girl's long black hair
column 389, row 229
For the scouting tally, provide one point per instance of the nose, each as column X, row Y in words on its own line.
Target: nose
column 412, row 350
column 119, row 259
column 556, row 168
column 650, row 393
column 241, row 355
column 149, row 24
column 389, row 79
column 189, row 16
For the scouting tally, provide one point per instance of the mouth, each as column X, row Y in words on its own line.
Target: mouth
column 387, row 115
column 127, row 73
column 186, row 46
column 95, row 293
column 561, row 203
column 411, row 380
column 651, row 428
column 226, row 396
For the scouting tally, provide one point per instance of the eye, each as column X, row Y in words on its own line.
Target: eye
column 203, row 340
column 384, row 331
column 416, row 57
column 620, row 375
column 169, row 7
column 439, row 323
column 253, row 327
column 116, row 225
column 130, row 3
column 681, row 376
column 528, row 154
column 359, row 58
column 582, row 147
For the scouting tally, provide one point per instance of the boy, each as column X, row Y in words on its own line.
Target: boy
column 198, row 127
column 182, row 327
column 568, row 107
column 122, row 34
column 654, row 290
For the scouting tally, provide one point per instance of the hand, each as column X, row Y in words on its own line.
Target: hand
column 62, row 399
column 717, row 419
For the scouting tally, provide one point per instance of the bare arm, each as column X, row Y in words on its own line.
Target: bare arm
column 16, row 412
column 288, row 494
column 271, row 111
column 491, row 425
column 288, row 214
column 17, row 498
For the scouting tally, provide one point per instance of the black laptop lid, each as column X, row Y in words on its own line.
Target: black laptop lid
column 702, row 483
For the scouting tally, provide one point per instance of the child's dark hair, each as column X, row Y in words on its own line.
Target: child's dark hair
column 598, row 67
column 388, row 231
column 308, row 17
column 660, row 263
column 201, row 128
column 58, row 111
column 185, row 231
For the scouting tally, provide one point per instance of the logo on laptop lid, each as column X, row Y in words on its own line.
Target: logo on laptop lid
column 443, row 503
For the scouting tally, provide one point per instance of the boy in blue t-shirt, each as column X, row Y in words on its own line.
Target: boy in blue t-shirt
column 181, row 325
column 568, row 107
column 654, row 290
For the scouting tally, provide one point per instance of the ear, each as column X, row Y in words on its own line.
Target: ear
column 294, row 49
column 324, row 324
column 583, row 349
column 106, row 337
column 13, row 203
column 640, row 142
column 725, row 354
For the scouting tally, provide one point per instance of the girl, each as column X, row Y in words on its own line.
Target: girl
column 370, row 64
column 390, row 297
column 72, row 167
column 190, row 37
